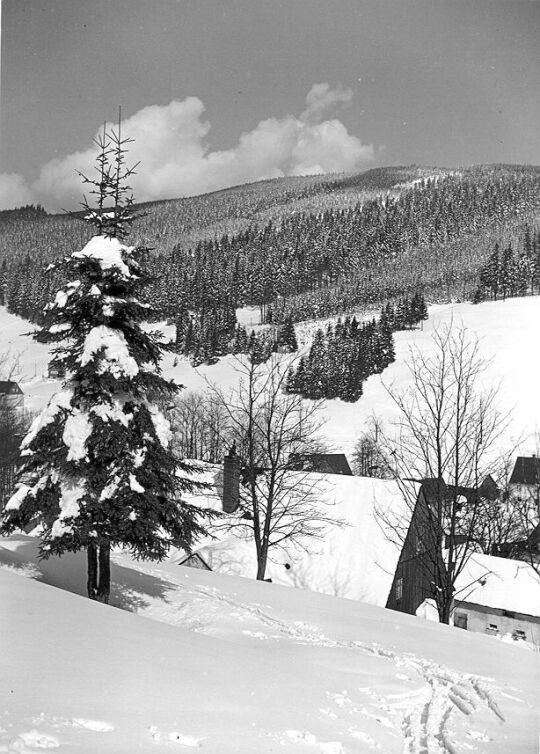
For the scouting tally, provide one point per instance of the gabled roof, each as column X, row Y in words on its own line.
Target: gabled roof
column 526, row 470
column 321, row 463
column 195, row 560
column 8, row 387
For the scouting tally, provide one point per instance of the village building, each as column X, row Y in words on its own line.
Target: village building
column 525, row 479
column 11, row 395
column 500, row 597
column 493, row 595
column 56, row 371
column 354, row 560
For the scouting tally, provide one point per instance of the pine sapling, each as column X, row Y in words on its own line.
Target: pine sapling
column 97, row 469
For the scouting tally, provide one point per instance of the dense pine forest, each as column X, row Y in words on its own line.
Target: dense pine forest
column 304, row 248
column 341, row 358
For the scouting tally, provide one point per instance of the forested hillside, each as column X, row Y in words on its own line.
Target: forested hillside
column 298, row 248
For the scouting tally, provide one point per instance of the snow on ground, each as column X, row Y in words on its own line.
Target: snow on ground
column 508, row 337
column 233, row 666
column 508, row 333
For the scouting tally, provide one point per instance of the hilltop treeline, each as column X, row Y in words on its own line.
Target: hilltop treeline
column 313, row 265
column 306, row 265
column 341, row 358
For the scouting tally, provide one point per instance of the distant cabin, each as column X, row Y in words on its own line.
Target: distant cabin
column 320, row 463
column 11, row 395
column 195, row 560
column 56, row 371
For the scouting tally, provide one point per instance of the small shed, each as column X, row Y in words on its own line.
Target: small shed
column 11, row 395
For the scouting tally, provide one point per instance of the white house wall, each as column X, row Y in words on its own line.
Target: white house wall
column 479, row 619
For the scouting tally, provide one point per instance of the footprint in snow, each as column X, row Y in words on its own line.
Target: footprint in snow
column 96, row 725
column 305, row 737
column 183, row 740
column 359, row 735
column 478, row 735
column 174, row 737
column 27, row 742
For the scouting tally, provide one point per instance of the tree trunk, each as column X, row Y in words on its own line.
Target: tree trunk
column 262, row 558
column 444, row 609
column 98, row 584
column 261, row 568
column 91, row 583
column 104, row 586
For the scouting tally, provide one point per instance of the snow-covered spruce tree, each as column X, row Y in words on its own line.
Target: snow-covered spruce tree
column 97, row 469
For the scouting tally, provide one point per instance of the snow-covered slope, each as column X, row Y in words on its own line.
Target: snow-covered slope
column 508, row 333
column 233, row 666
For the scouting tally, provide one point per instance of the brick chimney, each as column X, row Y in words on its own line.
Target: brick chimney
column 231, row 481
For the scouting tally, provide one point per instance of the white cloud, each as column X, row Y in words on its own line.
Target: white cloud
column 321, row 98
column 13, row 191
column 170, row 141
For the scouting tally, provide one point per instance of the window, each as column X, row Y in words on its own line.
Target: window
column 460, row 620
column 519, row 635
column 399, row 590
column 492, row 628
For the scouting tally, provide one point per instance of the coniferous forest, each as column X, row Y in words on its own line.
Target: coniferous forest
column 511, row 272
column 345, row 355
column 303, row 249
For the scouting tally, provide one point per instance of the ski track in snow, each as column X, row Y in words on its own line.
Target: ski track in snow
column 423, row 715
column 29, row 742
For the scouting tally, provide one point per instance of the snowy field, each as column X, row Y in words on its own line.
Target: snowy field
column 508, row 333
column 212, row 661
column 232, row 666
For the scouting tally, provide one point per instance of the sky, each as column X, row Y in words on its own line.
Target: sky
column 218, row 93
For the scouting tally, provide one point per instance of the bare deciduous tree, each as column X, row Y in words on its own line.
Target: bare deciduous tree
column 14, row 423
column 368, row 459
column 446, row 430
column 199, row 426
column 277, row 505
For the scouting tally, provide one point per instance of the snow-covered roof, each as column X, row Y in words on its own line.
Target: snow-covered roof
column 500, row 583
column 356, row 560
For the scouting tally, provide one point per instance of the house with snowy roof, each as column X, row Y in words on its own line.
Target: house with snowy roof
column 496, row 596
column 353, row 558
column 361, row 560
